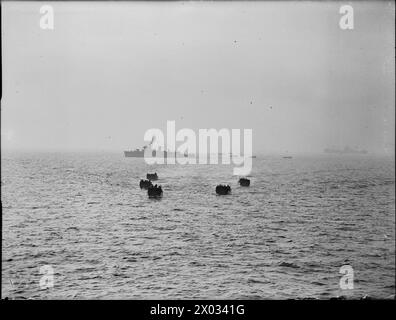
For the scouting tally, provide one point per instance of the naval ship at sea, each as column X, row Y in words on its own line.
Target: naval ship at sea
column 139, row 153
column 346, row 150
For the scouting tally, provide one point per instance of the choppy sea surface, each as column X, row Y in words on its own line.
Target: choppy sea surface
column 286, row 236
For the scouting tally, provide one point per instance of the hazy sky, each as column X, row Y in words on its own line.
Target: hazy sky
column 109, row 71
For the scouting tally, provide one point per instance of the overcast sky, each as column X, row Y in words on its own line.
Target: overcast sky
column 109, row 71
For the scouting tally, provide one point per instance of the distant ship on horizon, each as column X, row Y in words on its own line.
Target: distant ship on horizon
column 231, row 155
column 346, row 150
column 139, row 153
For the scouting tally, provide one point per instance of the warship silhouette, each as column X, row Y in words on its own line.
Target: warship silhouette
column 346, row 150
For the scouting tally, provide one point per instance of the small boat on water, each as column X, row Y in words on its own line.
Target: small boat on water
column 223, row 189
column 287, row 157
column 152, row 176
column 154, row 191
column 244, row 182
column 145, row 184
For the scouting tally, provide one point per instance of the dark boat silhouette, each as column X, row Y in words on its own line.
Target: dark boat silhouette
column 244, row 182
column 154, row 191
column 223, row 189
column 152, row 176
column 145, row 184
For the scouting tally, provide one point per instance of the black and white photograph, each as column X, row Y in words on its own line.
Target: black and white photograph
column 198, row 150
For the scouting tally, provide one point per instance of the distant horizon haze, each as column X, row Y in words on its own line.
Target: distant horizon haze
column 109, row 71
